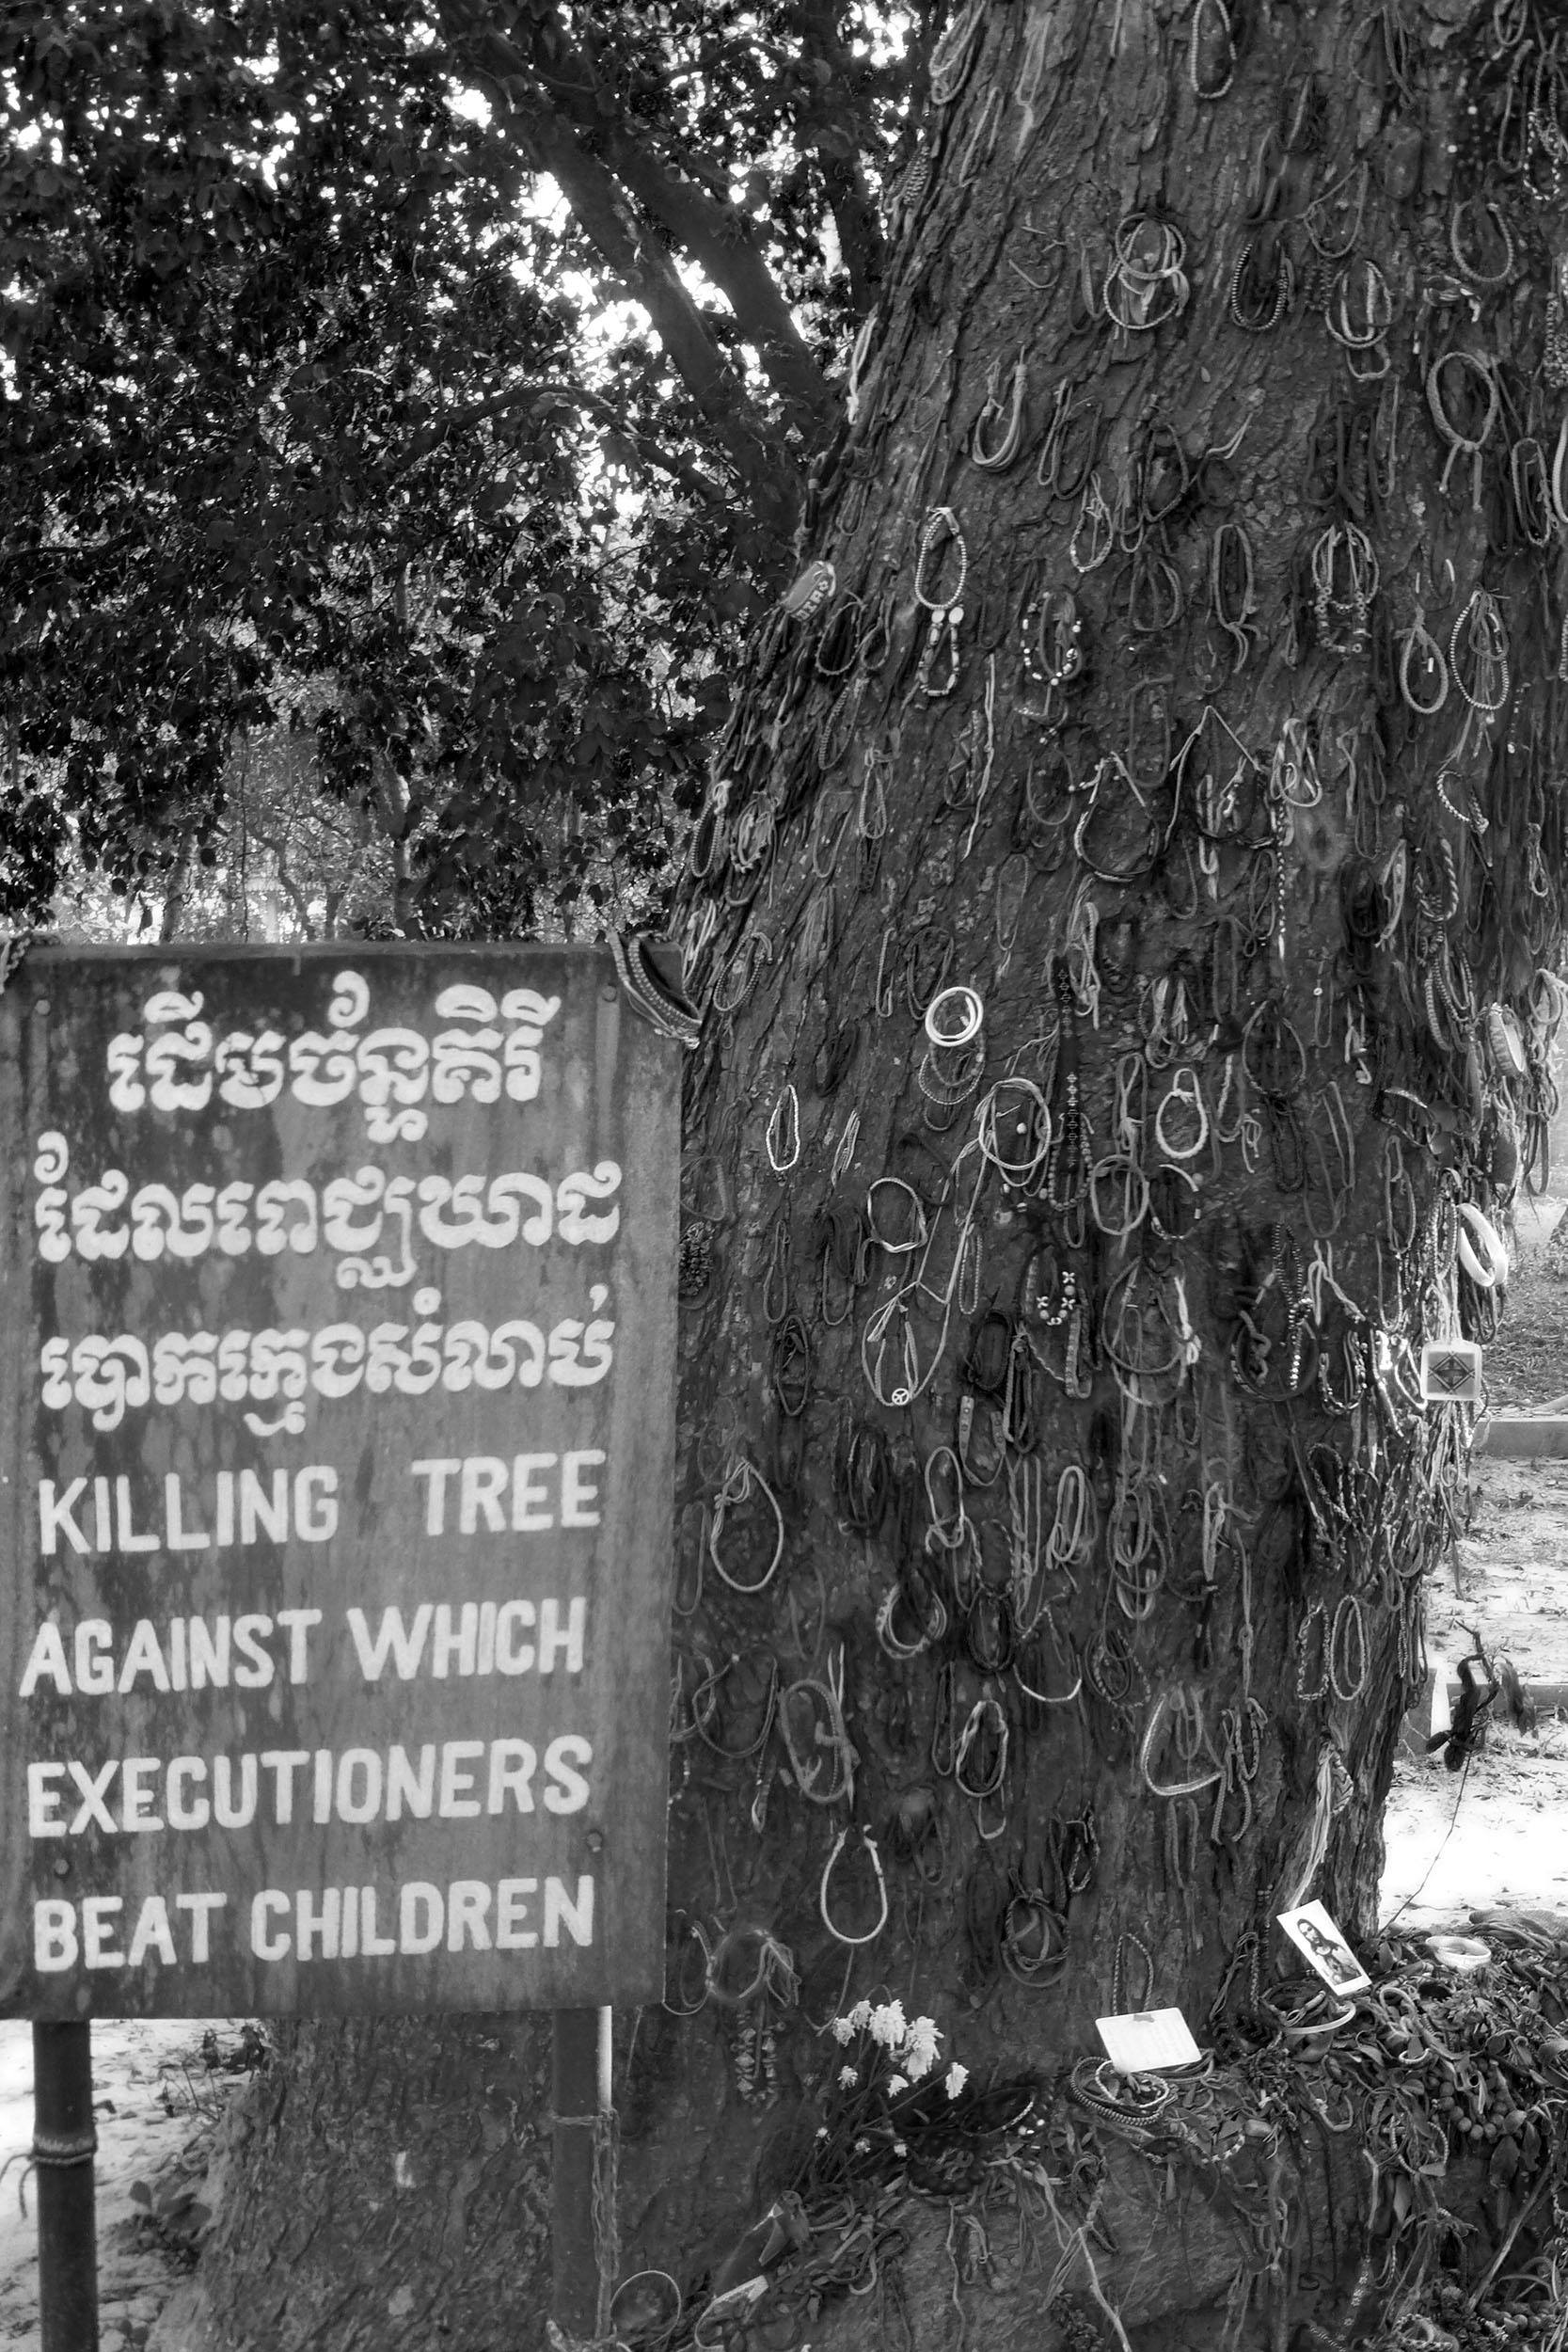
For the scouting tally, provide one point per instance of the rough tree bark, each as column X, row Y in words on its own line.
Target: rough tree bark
column 1081, row 1360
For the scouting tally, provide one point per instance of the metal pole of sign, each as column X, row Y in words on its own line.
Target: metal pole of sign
column 63, row 2146
column 580, row 2096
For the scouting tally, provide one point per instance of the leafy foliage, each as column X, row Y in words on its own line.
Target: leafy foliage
column 321, row 398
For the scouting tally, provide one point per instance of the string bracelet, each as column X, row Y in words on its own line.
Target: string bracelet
column 1460, row 442
column 954, row 54
column 1130, row 1948
column 918, row 1233
column 772, row 1974
column 1362, row 336
column 834, row 1740
column 1345, row 577
column 838, row 1933
column 1478, row 209
column 1018, row 1105
column 1188, row 1787
column 1423, row 672
column 1348, row 1662
column 895, row 1640
column 1147, row 283
column 705, row 1704
column 996, row 458
column 737, row 1491
column 1184, row 1093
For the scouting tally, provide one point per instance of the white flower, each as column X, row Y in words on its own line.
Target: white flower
column 843, row 2031
column 920, row 2049
column 895, row 2083
column 847, row 2078
column 860, row 2017
column 899, row 2148
column 822, row 2130
column 887, row 2025
column 862, row 2147
column 957, row 2078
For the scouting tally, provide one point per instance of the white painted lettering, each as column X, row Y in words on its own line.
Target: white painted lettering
column 562, row 1910
column 283, row 1763
column 46, row 1657
column 152, row 1930
column 143, row 1655
column 421, row 1916
column 95, row 1664
column 315, row 1503
column 91, row 1787
column 409, row 1790
column 263, row 1944
column 178, row 1814
column 43, row 1801
column 298, row 1622
column 317, row 1922
column 577, row 1496
column 358, row 1790
column 456, row 1803
column 404, row 1644
column 512, row 1767
column 531, row 1511
column 468, row 1914
column 181, row 1538
column 483, row 1484
column 100, row 1918
column 262, row 1514
column 135, row 1800
column 55, row 1945
column 201, row 1908
column 553, row 1640
column 438, row 1469
column 225, row 1812
column 568, row 1791
column 249, row 1633
column 126, row 1538
column 511, row 1911
column 513, row 1657
column 54, row 1515
column 461, row 1645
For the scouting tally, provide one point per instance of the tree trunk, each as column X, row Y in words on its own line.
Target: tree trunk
column 1079, row 1355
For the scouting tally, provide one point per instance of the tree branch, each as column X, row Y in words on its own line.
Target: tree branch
column 836, row 132
column 715, row 234
column 430, row 436
column 646, row 272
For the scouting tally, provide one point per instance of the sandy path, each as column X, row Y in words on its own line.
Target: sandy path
column 136, row 2081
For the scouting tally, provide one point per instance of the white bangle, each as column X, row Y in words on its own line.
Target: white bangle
column 972, row 1015
column 1481, row 1251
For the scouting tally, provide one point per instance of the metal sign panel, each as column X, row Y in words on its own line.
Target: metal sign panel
column 337, row 1416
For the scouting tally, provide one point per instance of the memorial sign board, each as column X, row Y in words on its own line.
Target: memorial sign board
column 337, row 1445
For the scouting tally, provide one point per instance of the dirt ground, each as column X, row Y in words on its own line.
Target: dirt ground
column 157, row 2100
column 1491, row 1835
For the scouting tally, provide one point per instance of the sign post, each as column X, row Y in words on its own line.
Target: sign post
column 337, row 1446
column 63, row 2145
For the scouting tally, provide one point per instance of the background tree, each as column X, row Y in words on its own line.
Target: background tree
column 1174, row 681
column 314, row 377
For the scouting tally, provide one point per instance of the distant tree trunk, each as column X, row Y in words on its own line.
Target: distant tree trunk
column 1081, row 1353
